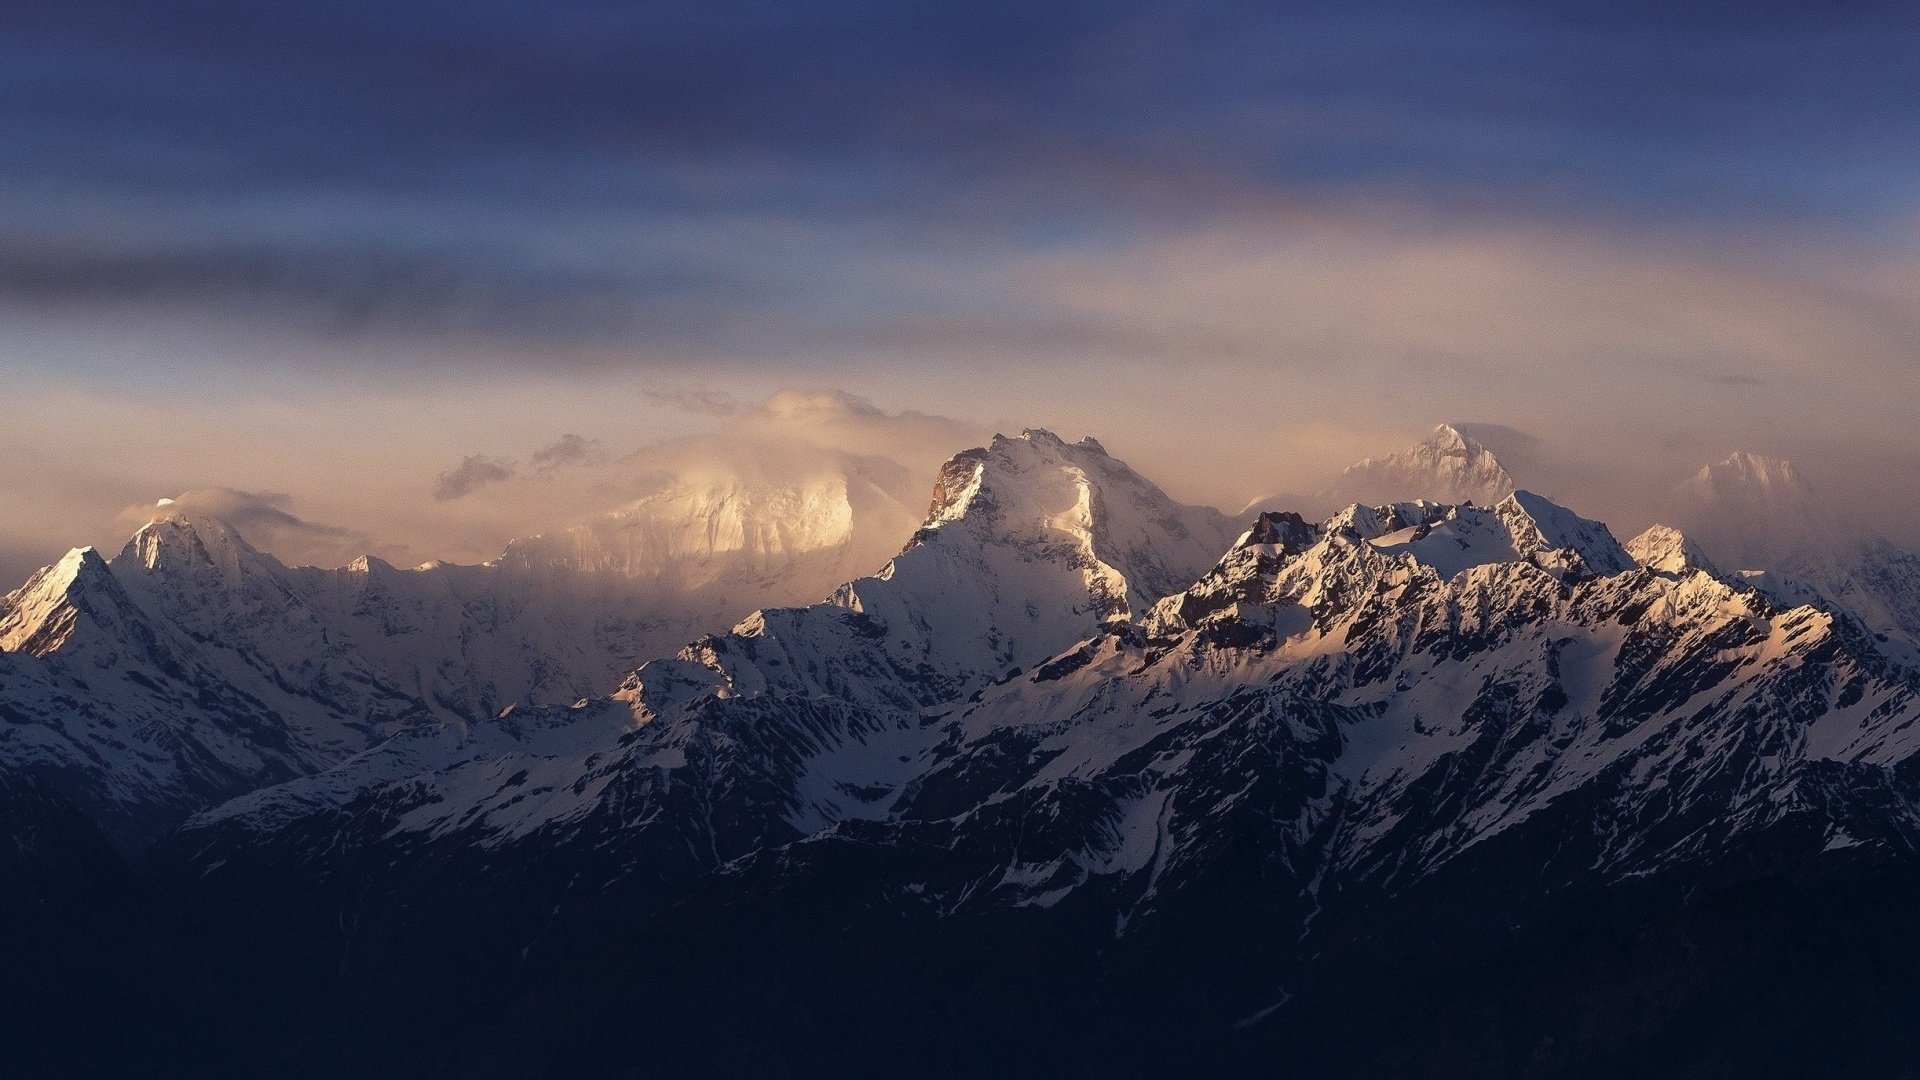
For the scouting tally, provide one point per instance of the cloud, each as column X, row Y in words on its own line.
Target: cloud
column 1502, row 439
column 846, row 421
column 474, row 472
column 265, row 520
column 697, row 402
column 774, row 178
column 568, row 452
column 1596, row 320
column 477, row 471
column 337, row 286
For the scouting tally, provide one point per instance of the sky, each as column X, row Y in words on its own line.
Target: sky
column 361, row 264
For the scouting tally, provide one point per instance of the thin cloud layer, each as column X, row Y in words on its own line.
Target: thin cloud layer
column 265, row 520
column 696, row 402
column 852, row 423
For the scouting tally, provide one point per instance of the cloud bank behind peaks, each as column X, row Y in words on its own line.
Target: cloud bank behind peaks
column 784, row 446
column 827, row 419
column 844, row 421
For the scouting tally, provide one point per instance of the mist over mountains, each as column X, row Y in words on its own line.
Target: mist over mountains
column 1139, row 782
column 983, row 539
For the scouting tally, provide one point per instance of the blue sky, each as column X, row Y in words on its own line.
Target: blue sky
column 984, row 210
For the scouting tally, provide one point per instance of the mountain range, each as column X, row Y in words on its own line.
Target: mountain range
column 1081, row 780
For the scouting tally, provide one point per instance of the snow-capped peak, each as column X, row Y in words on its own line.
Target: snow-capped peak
column 1448, row 440
column 1450, row 538
column 1539, row 524
column 200, row 544
column 1755, row 512
column 1448, row 466
column 38, row 617
column 1669, row 551
column 1035, row 489
column 1749, row 489
column 1752, row 475
column 1030, row 544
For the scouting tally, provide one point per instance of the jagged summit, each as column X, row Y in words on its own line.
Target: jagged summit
column 1752, row 482
column 1453, row 536
column 1448, row 466
column 1038, row 492
column 1389, row 543
column 1538, row 524
column 1751, row 511
column 1448, row 439
column 1282, row 529
column 1754, row 474
column 370, row 564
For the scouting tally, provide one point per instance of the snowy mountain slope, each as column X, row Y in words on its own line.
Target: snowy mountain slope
column 122, row 712
column 806, row 715
column 1353, row 705
column 192, row 667
column 1750, row 511
column 1070, row 761
column 1419, row 709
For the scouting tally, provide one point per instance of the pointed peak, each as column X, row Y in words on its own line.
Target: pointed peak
column 41, row 615
column 1448, row 437
column 1532, row 504
column 967, row 473
column 1667, row 550
column 175, row 541
column 72, row 569
column 1540, row 524
column 1447, row 466
column 1752, row 512
column 81, row 556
